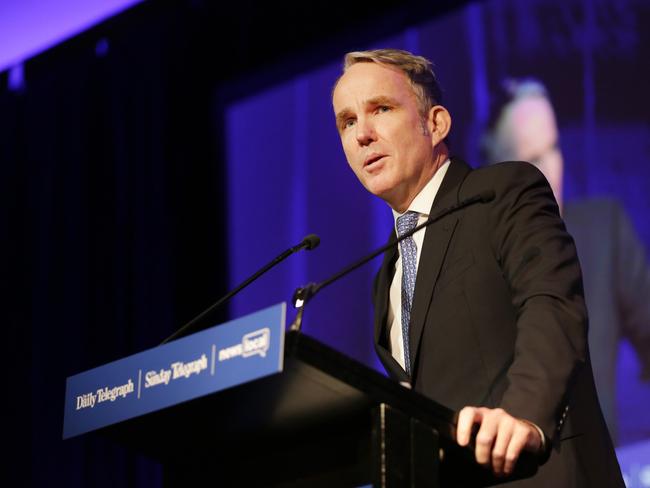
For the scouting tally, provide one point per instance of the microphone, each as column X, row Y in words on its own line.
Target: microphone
column 309, row 243
column 302, row 295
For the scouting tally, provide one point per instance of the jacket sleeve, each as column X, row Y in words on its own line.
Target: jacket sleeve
column 539, row 262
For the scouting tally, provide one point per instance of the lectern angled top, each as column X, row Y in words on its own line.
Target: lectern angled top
column 246, row 394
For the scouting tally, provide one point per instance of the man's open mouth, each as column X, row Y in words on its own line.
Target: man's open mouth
column 372, row 159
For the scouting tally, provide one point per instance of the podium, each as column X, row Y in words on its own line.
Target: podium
column 325, row 420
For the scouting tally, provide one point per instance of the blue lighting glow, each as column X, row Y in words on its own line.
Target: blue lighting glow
column 29, row 27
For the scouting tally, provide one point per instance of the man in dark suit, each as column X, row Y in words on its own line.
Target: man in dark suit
column 616, row 274
column 483, row 311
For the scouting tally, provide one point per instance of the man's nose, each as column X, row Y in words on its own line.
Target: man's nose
column 365, row 132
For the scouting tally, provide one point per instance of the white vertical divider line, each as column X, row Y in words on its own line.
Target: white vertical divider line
column 214, row 357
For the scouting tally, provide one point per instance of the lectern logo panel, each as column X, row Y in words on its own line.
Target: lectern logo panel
column 176, row 372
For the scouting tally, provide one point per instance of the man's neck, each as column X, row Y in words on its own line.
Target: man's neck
column 440, row 159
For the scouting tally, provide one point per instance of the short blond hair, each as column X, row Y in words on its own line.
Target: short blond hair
column 418, row 70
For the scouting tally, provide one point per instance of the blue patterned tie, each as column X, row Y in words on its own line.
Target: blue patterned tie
column 409, row 252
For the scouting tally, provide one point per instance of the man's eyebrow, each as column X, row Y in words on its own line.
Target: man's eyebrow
column 343, row 115
column 372, row 102
column 381, row 100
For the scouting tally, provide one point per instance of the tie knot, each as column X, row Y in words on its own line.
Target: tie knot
column 407, row 222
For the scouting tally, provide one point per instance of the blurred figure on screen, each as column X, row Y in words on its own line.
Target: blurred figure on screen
column 615, row 270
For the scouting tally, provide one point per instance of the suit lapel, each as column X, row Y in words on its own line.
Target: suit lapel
column 382, row 290
column 382, row 285
column 434, row 249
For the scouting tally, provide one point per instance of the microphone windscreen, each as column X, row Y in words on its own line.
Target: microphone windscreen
column 311, row 242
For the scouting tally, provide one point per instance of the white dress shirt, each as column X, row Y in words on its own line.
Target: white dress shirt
column 421, row 204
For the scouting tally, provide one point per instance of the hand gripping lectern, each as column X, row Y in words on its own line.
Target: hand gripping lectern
column 323, row 420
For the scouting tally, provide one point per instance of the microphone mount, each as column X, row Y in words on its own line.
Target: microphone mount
column 302, row 295
column 309, row 242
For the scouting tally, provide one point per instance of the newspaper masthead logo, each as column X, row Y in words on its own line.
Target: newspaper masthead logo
column 253, row 343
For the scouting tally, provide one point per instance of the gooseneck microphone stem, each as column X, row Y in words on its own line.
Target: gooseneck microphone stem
column 303, row 295
column 309, row 242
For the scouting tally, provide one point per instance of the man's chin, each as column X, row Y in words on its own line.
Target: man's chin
column 386, row 194
column 380, row 191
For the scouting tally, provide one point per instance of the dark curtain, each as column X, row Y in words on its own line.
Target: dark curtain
column 111, row 219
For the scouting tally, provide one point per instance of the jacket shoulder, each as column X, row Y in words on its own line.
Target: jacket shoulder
column 509, row 170
column 505, row 178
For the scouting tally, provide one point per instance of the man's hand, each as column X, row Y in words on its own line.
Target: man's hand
column 500, row 438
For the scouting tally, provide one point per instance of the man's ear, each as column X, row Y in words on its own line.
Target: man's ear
column 438, row 123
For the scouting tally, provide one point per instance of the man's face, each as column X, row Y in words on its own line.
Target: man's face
column 534, row 138
column 385, row 139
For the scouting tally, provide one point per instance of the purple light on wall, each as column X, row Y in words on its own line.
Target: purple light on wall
column 102, row 48
column 28, row 27
column 16, row 78
column 635, row 464
column 287, row 176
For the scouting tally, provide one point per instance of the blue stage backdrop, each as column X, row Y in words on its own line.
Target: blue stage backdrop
column 287, row 175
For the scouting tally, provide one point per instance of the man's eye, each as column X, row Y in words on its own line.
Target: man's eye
column 348, row 123
column 383, row 108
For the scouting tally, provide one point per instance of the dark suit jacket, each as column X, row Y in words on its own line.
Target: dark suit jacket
column 616, row 278
column 499, row 319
